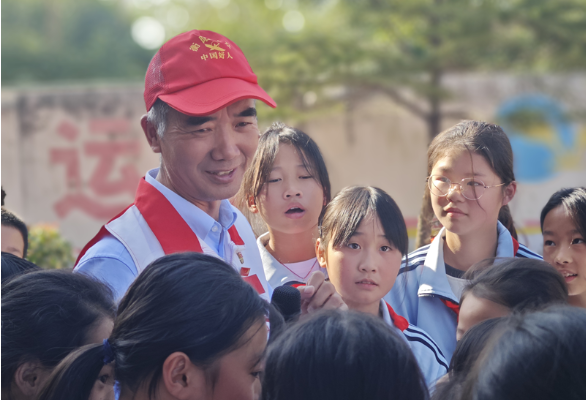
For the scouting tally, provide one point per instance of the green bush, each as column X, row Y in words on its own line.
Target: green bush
column 48, row 249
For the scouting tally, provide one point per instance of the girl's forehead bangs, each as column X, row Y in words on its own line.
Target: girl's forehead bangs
column 345, row 217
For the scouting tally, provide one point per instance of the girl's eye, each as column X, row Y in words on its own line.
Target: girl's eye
column 386, row 248
column 578, row 241
column 241, row 124
column 475, row 183
column 104, row 378
column 549, row 243
column 274, row 180
column 353, row 246
column 306, row 177
column 256, row 374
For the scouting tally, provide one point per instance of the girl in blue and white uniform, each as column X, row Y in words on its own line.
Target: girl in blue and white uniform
column 471, row 181
column 287, row 185
column 361, row 244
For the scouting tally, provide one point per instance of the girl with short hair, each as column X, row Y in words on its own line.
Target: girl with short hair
column 361, row 244
column 563, row 224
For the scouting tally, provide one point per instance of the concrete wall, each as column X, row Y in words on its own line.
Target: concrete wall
column 72, row 156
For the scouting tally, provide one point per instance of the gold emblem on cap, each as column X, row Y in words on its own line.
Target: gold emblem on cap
column 194, row 47
column 214, row 46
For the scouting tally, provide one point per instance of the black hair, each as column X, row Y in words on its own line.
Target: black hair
column 487, row 140
column 10, row 219
column 341, row 355
column 539, row 355
column 258, row 173
column 13, row 266
column 516, row 283
column 472, row 343
column 465, row 356
column 351, row 205
column 71, row 379
column 47, row 314
column 574, row 203
column 184, row 302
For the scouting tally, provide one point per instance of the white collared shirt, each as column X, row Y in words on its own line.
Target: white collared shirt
column 278, row 274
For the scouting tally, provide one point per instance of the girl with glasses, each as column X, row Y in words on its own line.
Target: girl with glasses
column 471, row 181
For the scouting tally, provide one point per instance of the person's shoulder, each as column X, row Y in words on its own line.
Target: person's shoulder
column 414, row 259
column 107, row 248
column 524, row 252
column 417, row 336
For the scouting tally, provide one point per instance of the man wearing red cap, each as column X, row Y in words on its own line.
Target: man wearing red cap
column 200, row 96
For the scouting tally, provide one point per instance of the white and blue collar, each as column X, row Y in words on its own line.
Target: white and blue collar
column 198, row 220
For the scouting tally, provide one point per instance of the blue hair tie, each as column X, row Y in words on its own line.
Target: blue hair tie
column 108, row 353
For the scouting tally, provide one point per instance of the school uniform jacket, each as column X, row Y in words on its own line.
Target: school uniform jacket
column 428, row 355
column 275, row 272
column 151, row 227
column 422, row 293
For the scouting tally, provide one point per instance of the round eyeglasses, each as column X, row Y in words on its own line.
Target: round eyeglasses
column 470, row 188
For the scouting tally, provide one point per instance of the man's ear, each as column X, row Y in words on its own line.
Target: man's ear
column 509, row 192
column 251, row 205
column 29, row 377
column 151, row 135
column 181, row 378
column 320, row 253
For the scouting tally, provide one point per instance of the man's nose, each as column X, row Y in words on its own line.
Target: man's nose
column 226, row 145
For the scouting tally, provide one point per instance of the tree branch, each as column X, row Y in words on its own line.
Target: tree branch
column 410, row 105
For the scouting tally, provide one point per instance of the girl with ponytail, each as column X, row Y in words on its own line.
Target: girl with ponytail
column 46, row 315
column 470, row 181
column 189, row 327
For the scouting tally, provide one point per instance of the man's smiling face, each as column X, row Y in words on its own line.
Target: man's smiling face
column 203, row 158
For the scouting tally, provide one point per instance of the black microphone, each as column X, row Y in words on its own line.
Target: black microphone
column 287, row 300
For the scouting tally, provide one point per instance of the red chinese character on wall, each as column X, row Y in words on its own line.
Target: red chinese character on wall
column 105, row 180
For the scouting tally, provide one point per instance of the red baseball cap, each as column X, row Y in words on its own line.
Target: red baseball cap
column 200, row 72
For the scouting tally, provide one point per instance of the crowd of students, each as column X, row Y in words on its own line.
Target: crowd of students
column 473, row 315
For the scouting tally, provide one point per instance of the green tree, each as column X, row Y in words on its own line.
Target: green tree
column 48, row 249
column 350, row 49
column 68, row 40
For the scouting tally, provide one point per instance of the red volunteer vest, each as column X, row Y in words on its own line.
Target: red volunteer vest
column 170, row 229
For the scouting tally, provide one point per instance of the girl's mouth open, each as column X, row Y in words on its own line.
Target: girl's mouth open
column 295, row 212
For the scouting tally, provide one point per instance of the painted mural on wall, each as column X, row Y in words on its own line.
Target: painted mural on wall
column 544, row 139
